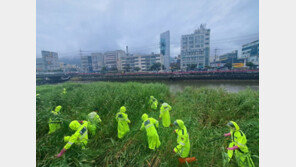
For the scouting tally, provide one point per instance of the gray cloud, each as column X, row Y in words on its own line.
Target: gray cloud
column 69, row 25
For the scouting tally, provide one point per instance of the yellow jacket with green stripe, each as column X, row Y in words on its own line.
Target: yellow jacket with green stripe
column 80, row 137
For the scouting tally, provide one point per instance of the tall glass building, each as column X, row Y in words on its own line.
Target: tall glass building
column 165, row 48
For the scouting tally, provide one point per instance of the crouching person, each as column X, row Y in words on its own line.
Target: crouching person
column 80, row 137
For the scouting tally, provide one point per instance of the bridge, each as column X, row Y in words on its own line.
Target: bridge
column 191, row 75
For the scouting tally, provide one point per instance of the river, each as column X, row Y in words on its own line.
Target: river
column 228, row 85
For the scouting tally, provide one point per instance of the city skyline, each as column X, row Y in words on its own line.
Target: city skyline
column 65, row 27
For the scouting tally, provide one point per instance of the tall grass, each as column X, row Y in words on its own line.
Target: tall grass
column 204, row 111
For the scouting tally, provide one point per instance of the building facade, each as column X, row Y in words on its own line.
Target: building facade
column 165, row 48
column 86, row 63
column 39, row 65
column 250, row 51
column 143, row 62
column 97, row 60
column 195, row 48
column 50, row 60
column 112, row 59
column 228, row 57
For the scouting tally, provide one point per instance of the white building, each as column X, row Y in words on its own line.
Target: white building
column 250, row 51
column 165, row 48
column 112, row 59
column 86, row 63
column 39, row 65
column 50, row 60
column 195, row 48
column 143, row 62
column 97, row 60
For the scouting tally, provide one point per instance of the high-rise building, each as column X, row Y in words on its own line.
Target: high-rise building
column 195, row 48
column 165, row 48
column 250, row 51
column 50, row 60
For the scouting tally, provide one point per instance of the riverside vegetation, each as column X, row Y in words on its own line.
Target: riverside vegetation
column 204, row 111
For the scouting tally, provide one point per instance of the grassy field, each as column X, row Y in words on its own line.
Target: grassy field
column 204, row 111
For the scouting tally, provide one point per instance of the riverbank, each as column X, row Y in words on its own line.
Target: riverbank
column 233, row 86
column 205, row 112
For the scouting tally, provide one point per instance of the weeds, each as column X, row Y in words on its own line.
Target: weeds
column 205, row 113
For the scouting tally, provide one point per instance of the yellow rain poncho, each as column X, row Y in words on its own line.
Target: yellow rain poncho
column 153, row 102
column 165, row 114
column 183, row 146
column 122, row 119
column 149, row 124
column 64, row 91
column 239, row 139
column 80, row 137
column 94, row 120
column 55, row 121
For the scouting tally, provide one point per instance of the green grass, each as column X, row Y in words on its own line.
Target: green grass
column 204, row 111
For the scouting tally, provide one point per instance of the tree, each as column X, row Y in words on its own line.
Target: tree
column 155, row 67
column 191, row 67
column 175, row 66
column 114, row 68
column 127, row 68
column 250, row 65
column 104, row 69
column 228, row 65
column 137, row 69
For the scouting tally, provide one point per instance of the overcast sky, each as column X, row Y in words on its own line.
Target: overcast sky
column 66, row 26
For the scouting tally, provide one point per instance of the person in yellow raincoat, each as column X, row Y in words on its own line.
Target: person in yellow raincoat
column 153, row 102
column 64, row 91
column 55, row 121
column 80, row 137
column 165, row 113
column 122, row 119
column 94, row 121
column 149, row 124
column 183, row 146
column 238, row 146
